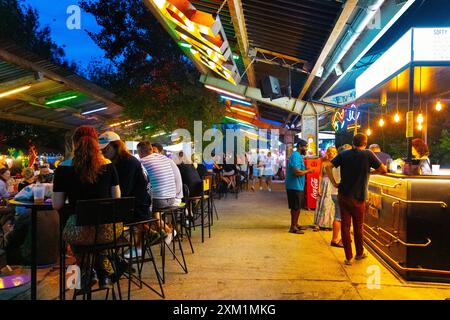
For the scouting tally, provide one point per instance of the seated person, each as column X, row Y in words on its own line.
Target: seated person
column 192, row 179
column 28, row 178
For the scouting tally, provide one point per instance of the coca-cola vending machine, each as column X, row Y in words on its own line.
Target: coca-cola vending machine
column 312, row 181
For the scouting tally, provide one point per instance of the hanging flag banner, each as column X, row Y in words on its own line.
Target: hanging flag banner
column 202, row 33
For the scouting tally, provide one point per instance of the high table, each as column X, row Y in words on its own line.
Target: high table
column 34, row 209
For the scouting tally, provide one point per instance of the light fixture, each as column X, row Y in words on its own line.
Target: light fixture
column 235, row 56
column 420, row 118
column 438, row 106
column 14, row 91
column 159, row 134
column 61, row 99
column 419, row 127
column 245, row 103
column 185, row 45
column 133, row 123
column 119, row 123
column 368, row 132
column 241, row 122
column 243, row 111
column 224, row 92
column 397, row 115
column 381, row 122
column 93, row 111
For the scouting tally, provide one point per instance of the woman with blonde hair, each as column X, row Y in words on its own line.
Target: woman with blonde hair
column 324, row 214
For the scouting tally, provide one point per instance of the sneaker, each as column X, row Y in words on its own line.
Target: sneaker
column 270, row 189
column 363, row 256
column 105, row 282
column 137, row 252
column 170, row 237
column 348, row 262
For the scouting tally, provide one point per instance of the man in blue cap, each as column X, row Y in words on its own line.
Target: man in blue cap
column 295, row 184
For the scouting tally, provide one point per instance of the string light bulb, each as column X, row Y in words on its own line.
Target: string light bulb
column 381, row 122
column 419, row 127
column 369, row 132
column 397, row 118
column 438, row 106
column 420, row 119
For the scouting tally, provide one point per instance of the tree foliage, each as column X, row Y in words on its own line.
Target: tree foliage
column 148, row 70
column 20, row 23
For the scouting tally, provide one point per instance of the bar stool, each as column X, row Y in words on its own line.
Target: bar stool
column 171, row 212
column 95, row 213
column 196, row 209
column 146, row 244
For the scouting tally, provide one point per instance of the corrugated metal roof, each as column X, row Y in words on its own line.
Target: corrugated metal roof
column 29, row 106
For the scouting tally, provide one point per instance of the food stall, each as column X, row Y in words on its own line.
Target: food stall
column 407, row 222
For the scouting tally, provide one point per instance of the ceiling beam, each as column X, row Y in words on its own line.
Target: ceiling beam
column 34, row 121
column 339, row 27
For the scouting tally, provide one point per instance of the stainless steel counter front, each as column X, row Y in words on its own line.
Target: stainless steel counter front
column 407, row 224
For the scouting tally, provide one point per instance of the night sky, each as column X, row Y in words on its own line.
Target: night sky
column 78, row 46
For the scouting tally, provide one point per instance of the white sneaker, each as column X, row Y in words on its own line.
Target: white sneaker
column 170, row 237
column 136, row 253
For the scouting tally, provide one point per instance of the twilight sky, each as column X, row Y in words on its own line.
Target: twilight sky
column 77, row 44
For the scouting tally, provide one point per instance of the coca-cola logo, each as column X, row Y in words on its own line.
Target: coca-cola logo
column 314, row 187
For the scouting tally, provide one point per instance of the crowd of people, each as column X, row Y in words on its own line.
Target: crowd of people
column 343, row 182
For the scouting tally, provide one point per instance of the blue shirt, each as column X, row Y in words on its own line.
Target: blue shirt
column 294, row 182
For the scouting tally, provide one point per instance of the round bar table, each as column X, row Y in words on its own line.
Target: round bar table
column 34, row 209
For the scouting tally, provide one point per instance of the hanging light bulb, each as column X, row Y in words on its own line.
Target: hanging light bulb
column 420, row 118
column 368, row 132
column 397, row 118
column 419, row 127
column 381, row 122
column 438, row 106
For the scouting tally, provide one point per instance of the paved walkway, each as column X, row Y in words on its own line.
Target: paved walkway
column 252, row 256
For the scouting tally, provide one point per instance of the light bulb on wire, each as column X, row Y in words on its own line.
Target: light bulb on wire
column 420, row 118
column 419, row 127
column 381, row 122
column 397, row 118
column 369, row 132
column 438, row 106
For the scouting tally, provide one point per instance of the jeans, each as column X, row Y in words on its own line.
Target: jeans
column 352, row 210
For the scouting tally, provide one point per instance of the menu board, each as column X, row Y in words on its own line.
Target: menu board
column 432, row 44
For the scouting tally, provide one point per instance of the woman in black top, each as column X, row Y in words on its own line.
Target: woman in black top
column 89, row 176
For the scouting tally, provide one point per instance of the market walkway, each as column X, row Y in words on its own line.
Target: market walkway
column 252, row 256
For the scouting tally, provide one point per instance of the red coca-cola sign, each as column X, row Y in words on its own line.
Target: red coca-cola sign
column 312, row 181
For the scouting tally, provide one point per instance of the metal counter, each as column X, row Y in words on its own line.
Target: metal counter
column 407, row 224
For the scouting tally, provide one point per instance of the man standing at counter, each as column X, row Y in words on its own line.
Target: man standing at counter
column 355, row 167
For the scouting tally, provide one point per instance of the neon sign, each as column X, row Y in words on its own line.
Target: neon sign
column 344, row 118
column 204, row 33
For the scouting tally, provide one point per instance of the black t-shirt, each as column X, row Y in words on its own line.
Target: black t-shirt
column 134, row 183
column 192, row 179
column 355, row 167
column 67, row 181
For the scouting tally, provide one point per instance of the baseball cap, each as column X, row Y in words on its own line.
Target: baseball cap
column 302, row 143
column 105, row 138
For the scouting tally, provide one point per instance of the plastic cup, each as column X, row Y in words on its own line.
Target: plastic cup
column 435, row 168
column 39, row 193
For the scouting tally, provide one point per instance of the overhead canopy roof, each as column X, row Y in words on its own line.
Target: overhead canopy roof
column 49, row 82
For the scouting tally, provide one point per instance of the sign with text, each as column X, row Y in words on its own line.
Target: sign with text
column 204, row 34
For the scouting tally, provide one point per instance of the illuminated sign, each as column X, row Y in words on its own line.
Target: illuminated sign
column 204, row 33
column 344, row 118
column 418, row 44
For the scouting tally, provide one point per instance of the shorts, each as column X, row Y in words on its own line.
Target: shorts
column 257, row 172
column 163, row 203
column 228, row 173
column 295, row 199
column 337, row 209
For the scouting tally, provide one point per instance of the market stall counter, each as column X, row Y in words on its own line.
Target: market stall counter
column 407, row 224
